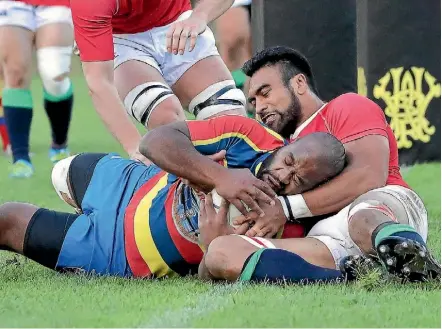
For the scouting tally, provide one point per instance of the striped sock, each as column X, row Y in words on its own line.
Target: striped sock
column 17, row 105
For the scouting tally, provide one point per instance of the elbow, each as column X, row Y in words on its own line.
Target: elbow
column 147, row 142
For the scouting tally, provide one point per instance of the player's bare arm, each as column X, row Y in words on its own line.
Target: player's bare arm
column 367, row 169
column 170, row 147
column 99, row 77
column 205, row 11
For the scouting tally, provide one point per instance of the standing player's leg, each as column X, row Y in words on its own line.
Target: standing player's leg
column 145, row 94
column 54, row 41
column 3, row 131
column 16, row 42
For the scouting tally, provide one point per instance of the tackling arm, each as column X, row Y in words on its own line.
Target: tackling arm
column 367, row 169
column 170, row 147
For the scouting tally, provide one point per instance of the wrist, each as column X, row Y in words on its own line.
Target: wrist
column 294, row 207
column 200, row 15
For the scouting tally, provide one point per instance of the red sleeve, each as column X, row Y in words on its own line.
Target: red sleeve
column 352, row 116
column 93, row 28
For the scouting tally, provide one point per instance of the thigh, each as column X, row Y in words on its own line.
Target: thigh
column 54, row 27
column 406, row 206
column 146, row 95
column 45, row 235
column 16, row 43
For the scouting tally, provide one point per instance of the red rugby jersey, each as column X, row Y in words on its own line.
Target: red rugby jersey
column 96, row 20
column 46, row 2
column 350, row 117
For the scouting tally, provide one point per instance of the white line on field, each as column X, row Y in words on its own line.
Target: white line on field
column 206, row 303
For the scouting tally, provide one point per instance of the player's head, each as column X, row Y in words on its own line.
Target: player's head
column 303, row 164
column 281, row 80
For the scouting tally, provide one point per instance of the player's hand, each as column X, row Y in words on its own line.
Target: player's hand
column 241, row 188
column 212, row 224
column 217, row 157
column 137, row 156
column 181, row 31
column 266, row 226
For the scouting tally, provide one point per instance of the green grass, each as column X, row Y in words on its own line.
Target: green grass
column 32, row 296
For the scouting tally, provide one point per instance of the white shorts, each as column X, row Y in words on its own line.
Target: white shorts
column 333, row 231
column 15, row 13
column 150, row 47
column 239, row 3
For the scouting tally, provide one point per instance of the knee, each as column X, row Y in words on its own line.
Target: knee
column 219, row 260
column 16, row 72
column 60, row 180
column 54, row 67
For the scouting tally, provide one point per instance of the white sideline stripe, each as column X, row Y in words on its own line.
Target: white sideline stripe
column 206, row 303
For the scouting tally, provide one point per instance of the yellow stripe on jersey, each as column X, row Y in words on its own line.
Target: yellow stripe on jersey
column 143, row 234
column 225, row 136
column 274, row 134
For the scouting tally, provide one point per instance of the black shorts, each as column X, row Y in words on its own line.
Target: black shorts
column 47, row 228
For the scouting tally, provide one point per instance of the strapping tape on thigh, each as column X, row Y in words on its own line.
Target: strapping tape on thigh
column 143, row 99
column 219, row 97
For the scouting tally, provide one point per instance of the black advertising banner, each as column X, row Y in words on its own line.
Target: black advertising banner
column 399, row 59
column 324, row 31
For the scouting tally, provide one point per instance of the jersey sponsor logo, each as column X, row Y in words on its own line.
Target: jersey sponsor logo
column 407, row 95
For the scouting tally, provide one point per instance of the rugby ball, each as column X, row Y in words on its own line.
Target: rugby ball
column 233, row 211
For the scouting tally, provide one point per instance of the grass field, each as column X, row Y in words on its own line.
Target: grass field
column 32, row 296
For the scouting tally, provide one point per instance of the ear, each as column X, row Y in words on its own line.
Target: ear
column 299, row 84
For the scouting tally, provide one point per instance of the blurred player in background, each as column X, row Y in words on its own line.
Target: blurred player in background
column 164, row 55
column 3, row 131
column 47, row 26
column 234, row 38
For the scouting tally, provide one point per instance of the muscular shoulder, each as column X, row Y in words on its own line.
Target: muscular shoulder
column 352, row 116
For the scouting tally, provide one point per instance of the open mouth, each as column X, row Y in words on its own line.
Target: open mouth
column 269, row 118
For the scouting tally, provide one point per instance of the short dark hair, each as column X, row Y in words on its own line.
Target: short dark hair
column 331, row 156
column 291, row 62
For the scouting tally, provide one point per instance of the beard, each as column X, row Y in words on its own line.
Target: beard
column 291, row 117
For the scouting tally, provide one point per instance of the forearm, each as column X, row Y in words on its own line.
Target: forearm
column 341, row 191
column 111, row 110
column 173, row 151
column 210, row 10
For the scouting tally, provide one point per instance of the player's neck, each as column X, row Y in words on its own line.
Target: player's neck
column 310, row 107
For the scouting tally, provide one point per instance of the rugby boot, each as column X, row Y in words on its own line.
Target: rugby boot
column 408, row 259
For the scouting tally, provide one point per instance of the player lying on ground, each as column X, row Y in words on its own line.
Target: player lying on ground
column 138, row 220
column 164, row 57
column 370, row 209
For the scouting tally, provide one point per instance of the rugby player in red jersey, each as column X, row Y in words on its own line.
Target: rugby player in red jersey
column 47, row 26
column 164, row 56
column 135, row 220
column 369, row 208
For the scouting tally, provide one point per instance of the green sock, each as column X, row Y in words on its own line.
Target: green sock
column 389, row 229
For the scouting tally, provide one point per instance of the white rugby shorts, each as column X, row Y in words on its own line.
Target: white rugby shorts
column 16, row 13
column 150, row 47
column 334, row 233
